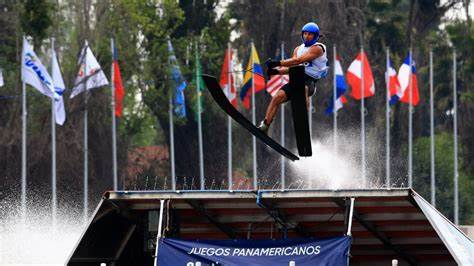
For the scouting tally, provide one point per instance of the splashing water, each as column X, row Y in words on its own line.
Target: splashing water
column 328, row 169
column 35, row 241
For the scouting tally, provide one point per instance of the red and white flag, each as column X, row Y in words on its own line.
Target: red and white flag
column 354, row 77
column 227, row 79
column 275, row 83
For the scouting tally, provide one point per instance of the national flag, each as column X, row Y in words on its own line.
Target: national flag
column 199, row 82
column 179, row 104
column 394, row 87
column 34, row 73
column 227, row 78
column 118, row 85
column 253, row 73
column 276, row 82
column 1, row 78
column 59, row 87
column 341, row 88
column 405, row 72
column 354, row 77
column 94, row 77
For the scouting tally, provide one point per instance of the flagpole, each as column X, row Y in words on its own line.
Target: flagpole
column 229, row 121
column 455, row 133
column 282, row 128
column 171, row 125
column 198, row 91
column 362, row 115
column 433, row 185
column 86, row 177
column 334, row 95
column 53, row 147
column 114, row 130
column 254, row 140
column 387, row 121
column 170, row 113
column 23, row 143
column 410, row 122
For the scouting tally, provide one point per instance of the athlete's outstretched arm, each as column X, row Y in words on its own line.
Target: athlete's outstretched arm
column 313, row 53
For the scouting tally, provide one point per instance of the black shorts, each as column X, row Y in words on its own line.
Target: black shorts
column 309, row 82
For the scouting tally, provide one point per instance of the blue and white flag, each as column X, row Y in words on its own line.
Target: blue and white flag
column 1, row 78
column 341, row 88
column 300, row 252
column 34, row 73
column 178, row 101
column 59, row 87
column 94, row 77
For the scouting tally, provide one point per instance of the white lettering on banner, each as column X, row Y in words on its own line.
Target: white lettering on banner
column 257, row 252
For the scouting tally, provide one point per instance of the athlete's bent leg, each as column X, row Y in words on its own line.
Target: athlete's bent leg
column 276, row 101
column 272, row 109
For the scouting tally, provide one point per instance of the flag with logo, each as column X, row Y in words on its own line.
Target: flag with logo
column 405, row 73
column 90, row 74
column 180, row 83
column 1, row 78
column 59, row 87
column 227, row 78
column 253, row 74
column 34, row 73
column 354, row 73
column 275, row 83
column 341, row 88
column 118, row 85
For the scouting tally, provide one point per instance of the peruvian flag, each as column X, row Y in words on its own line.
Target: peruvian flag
column 227, row 79
column 354, row 77
column 405, row 73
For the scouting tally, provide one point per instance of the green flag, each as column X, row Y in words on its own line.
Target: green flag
column 199, row 82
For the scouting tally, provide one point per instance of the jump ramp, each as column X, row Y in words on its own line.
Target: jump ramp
column 384, row 224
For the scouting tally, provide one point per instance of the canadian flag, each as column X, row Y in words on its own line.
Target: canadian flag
column 354, row 77
column 227, row 79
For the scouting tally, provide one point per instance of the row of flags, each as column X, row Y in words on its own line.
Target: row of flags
column 35, row 74
column 398, row 83
column 90, row 76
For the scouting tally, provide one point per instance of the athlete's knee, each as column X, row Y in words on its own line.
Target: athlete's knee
column 280, row 97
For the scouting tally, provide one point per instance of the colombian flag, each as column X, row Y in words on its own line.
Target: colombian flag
column 253, row 74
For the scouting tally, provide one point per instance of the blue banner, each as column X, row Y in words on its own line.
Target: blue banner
column 294, row 252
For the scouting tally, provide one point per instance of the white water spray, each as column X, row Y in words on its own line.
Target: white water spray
column 328, row 169
column 36, row 242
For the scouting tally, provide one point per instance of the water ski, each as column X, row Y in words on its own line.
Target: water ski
column 300, row 111
column 221, row 99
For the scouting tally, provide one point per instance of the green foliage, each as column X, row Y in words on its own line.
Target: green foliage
column 36, row 19
column 444, row 176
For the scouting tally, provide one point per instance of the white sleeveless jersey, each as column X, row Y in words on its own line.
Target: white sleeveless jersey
column 318, row 68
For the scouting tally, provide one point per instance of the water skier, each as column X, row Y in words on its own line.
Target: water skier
column 312, row 54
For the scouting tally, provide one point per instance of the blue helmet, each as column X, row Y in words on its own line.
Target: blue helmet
column 312, row 28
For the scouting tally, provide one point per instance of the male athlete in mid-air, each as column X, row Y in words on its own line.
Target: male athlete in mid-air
column 312, row 55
